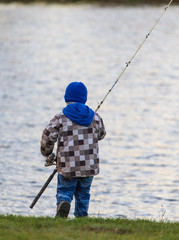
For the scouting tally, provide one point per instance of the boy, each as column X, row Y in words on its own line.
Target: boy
column 77, row 131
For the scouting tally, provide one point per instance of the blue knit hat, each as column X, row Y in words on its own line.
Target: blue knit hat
column 76, row 92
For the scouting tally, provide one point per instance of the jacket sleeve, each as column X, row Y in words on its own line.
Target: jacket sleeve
column 49, row 137
column 102, row 131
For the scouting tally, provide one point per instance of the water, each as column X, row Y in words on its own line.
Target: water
column 45, row 47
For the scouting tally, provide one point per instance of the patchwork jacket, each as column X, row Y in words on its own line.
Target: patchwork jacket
column 77, row 146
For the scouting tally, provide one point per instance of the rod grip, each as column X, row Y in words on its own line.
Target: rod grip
column 43, row 188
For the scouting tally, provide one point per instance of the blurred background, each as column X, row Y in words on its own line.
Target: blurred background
column 44, row 47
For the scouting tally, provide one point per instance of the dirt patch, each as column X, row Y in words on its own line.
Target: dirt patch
column 119, row 231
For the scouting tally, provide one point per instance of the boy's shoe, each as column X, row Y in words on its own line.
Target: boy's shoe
column 63, row 209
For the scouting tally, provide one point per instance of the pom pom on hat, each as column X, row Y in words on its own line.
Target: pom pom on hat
column 76, row 92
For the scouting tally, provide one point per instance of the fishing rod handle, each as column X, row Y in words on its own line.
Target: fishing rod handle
column 43, row 188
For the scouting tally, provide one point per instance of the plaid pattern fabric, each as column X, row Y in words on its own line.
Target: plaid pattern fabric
column 77, row 147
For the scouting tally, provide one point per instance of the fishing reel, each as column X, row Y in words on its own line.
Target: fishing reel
column 51, row 160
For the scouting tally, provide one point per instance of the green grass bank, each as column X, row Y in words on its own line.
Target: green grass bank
column 37, row 228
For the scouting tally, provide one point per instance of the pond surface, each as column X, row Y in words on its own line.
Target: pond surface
column 45, row 47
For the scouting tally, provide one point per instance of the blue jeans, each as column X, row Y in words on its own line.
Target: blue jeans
column 78, row 187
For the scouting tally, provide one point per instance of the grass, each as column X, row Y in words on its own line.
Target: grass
column 46, row 228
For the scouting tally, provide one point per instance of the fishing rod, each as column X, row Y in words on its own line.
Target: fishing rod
column 51, row 160
column 129, row 62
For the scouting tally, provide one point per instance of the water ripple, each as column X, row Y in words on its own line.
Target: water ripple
column 139, row 157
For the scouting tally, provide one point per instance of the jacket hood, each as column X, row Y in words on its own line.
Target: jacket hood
column 79, row 113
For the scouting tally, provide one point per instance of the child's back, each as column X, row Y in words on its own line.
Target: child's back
column 77, row 131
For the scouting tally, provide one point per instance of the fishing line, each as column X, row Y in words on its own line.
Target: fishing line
column 129, row 62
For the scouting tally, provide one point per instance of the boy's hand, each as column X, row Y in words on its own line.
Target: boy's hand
column 50, row 160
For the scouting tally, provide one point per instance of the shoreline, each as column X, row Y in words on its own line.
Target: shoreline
column 97, row 2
